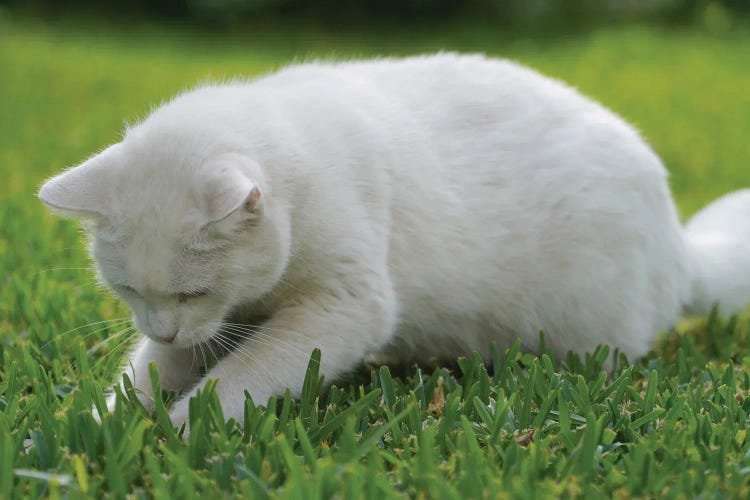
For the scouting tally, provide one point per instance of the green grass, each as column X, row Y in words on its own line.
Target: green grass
column 672, row 424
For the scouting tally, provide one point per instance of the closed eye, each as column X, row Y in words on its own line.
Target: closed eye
column 127, row 289
column 192, row 294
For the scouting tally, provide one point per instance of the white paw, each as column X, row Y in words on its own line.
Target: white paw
column 111, row 400
column 378, row 359
column 180, row 415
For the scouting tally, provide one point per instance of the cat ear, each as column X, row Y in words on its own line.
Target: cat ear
column 81, row 191
column 229, row 192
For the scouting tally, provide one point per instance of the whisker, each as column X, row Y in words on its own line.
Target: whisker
column 271, row 342
column 109, row 339
column 239, row 349
column 116, row 325
column 192, row 363
column 89, row 283
column 234, row 346
column 227, row 342
column 222, row 340
column 211, row 350
column 244, row 331
column 92, row 324
column 124, row 342
column 233, row 341
column 116, row 347
column 258, row 331
column 203, row 354
column 110, row 323
column 269, row 328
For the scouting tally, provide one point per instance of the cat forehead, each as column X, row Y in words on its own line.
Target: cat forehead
column 146, row 226
column 157, row 264
column 187, row 243
column 170, row 188
column 170, row 218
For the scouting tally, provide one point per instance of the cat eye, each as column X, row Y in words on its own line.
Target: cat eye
column 128, row 289
column 183, row 297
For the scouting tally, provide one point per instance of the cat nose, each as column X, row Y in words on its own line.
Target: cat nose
column 169, row 337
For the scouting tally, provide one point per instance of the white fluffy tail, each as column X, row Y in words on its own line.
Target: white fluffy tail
column 718, row 238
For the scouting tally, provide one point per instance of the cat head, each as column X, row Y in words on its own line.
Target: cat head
column 183, row 232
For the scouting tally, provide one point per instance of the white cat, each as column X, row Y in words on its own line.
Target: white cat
column 397, row 209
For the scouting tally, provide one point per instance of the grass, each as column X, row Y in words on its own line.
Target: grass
column 674, row 423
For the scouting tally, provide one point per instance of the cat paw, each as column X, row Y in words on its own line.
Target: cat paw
column 110, row 408
column 375, row 360
column 180, row 415
column 96, row 415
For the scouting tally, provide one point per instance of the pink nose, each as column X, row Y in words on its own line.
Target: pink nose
column 168, row 339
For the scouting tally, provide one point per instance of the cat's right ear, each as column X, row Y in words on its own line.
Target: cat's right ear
column 228, row 191
column 82, row 191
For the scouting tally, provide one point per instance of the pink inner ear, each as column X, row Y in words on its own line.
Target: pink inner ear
column 252, row 198
column 230, row 193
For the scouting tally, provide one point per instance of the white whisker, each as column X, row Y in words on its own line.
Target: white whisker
column 245, row 358
column 114, row 349
column 240, row 349
column 203, row 354
column 89, row 283
column 92, row 324
column 192, row 362
column 270, row 342
column 211, row 350
column 109, row 339
column 108, row 323
column 257, row 331
column 236, row 348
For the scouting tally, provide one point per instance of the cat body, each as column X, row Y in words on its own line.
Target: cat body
column 394, row 210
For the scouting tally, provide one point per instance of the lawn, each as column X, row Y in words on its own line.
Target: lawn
column 672, row 424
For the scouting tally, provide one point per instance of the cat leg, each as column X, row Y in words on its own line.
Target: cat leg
column 178, row 369
column 345, row 328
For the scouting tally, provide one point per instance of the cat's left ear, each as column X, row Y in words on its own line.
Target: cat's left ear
column 82, row 191
column 230, row 191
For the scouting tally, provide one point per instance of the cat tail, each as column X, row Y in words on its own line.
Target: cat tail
column 718, row 240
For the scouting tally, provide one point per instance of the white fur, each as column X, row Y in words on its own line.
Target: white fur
column 401, row 209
